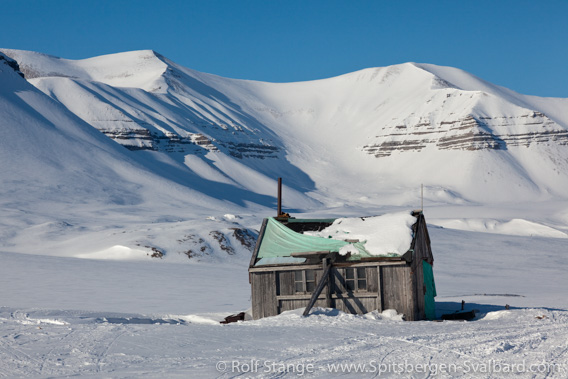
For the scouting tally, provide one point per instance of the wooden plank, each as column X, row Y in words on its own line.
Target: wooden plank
column 323, row 281
column 294, row 266
column 412, row 302
column 421, row 243
column 265, row 288
column 309, row 253
column 409, row 296
column 370, row 263
column 306, row 296
column 369, row 304
column 269, row 298
column 380, row 304
column 338, row 277
column 284, row 267
column 288, row 305
column 263, row 297
column 388, row 288
column 327, row 268
column 356, row 304
column 355, row 294
column 372, row 279
column 258, row 241
column 406, row 295
column 322, row 296
column 256, row 297
column 420, row 289
column 286, row 281
column 398, row 292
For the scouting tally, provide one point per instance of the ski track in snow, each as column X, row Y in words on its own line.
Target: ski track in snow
column 49, row 328
column 151, row 350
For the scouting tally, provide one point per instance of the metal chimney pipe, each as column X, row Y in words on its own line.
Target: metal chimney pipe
column 279, row 211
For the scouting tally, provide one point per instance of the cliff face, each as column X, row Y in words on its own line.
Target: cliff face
column 470, row 133
column 148, row 103
column 11, row 63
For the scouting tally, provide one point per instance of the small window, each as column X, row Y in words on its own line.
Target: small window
column 298, row 281
column 304, row 281
column 310, row 280
column 361, row 279
column 350, row 279
column 356, row 279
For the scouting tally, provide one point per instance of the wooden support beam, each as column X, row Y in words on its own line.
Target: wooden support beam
column 324, row 280
column 284, row 267
column 308, row 254
column 327, row 264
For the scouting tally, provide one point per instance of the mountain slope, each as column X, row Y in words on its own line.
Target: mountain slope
column 464, row 138
column 63, row 181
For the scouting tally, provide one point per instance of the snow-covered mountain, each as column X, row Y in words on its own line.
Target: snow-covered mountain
column 373, row 134
column 202, row 145
column 67, row 189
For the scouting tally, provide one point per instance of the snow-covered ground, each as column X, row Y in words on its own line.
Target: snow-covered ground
column 529, row 342
column 63, row 316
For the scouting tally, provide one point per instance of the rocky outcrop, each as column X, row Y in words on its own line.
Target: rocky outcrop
column 11, row 63
column 229, row 241
column 470, row 133
column 143, row 139
column 132, row 139
column 202, row 140
column 251, row 150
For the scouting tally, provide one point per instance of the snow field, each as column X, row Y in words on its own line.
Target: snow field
column 65, row 316
column 528, row 342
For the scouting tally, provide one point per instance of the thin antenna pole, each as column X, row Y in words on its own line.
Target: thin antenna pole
column 422, row 196
column 279, row 211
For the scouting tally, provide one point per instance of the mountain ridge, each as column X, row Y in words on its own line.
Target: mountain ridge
column 133, row 156
column 213, row 126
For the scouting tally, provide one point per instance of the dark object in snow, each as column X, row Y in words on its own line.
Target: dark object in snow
column 11, row 63
column 234, row 318
column 279, row 213
column 467, row 315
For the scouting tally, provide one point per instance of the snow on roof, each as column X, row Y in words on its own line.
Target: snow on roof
column 389, row 234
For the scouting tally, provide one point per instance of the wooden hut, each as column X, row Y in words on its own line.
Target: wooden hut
column 291, row 269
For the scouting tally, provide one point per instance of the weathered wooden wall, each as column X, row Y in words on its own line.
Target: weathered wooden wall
column 421, row 243
column 263, row 285
column 420, row 291
column 359, row 302
column 398, row 290
column 392, row 285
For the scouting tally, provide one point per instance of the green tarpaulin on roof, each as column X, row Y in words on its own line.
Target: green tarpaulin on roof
column 281, row 241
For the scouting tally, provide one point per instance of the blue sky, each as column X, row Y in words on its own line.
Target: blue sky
column 522, row 45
